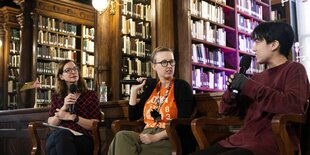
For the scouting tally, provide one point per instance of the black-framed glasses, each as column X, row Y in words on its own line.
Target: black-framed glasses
column 164, row 63
column 69, row 70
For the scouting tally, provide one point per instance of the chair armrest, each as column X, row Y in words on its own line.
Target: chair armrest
column 118, row 124
column 173, row 135
column 279, row 124
column 96, row 136
column 35, row 140
column 198, row 124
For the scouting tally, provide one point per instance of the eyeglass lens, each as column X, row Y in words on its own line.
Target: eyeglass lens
column 67, row 70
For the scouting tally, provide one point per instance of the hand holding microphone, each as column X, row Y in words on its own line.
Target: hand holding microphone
column 72, row 90
column 237, row 80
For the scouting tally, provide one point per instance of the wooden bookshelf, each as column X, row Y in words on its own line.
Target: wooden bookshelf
column 136, row 43
column 62, row 38
column 60, row 29
column 11, row 56
column 216, row 37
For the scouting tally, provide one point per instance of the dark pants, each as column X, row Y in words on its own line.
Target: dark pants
column 219, row 150
column 63, row 142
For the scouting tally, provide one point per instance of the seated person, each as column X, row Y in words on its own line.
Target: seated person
column 74, row 109
column 162, row 100
column 282, row 88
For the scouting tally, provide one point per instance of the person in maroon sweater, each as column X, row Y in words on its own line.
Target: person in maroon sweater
column 282, row 88
column 75, row 109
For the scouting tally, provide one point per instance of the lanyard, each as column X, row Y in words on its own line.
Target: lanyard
column 160, row 102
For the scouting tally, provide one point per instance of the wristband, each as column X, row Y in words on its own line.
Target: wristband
column 76, row 119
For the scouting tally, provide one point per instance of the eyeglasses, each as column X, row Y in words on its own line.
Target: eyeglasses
column 164, row 63
column 69, row 70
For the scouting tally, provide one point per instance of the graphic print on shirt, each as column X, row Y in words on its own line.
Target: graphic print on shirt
column 167, row 110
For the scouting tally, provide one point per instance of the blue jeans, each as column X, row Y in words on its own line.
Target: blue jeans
column 63, row 142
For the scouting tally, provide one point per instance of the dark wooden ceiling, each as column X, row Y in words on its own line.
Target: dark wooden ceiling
column 12, row 4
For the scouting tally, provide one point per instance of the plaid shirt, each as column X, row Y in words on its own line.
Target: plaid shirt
column 86, row 106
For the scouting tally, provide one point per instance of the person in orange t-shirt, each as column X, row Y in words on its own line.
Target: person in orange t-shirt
column 161, row 101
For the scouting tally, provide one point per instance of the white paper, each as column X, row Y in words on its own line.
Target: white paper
column 61, row 127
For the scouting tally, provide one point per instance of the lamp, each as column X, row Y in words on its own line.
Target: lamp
column 102, row 5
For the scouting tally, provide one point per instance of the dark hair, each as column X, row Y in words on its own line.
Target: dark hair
column 271, row 31
column 61, row 89
column 157, row 50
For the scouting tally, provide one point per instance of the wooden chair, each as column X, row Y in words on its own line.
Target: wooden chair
column 171, row 128
column 38, row 134
column 279, row 124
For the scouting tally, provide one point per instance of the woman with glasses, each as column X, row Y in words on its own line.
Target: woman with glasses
column 162, row 100
column 75, row 107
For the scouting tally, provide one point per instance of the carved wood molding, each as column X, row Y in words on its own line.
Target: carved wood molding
column 76, row 11
column 8, row 16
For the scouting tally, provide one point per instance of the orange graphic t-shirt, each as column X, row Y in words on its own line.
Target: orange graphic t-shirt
column 168, row 110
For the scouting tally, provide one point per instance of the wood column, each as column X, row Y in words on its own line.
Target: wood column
column 27, row 57
column 107, row 51
column 165, row 27
column 183, row 39
column 102, row 48
column 115, row 52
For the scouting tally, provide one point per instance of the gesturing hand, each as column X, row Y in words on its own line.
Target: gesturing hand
column 148, row 138
column 69, row 100
column 136, row 88
column 236, row 81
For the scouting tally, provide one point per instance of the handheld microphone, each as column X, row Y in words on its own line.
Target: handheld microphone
column 244, row 65
column 72, row 89
column 135, row 82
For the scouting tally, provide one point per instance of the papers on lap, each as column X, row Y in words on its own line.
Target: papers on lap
column 61, row 127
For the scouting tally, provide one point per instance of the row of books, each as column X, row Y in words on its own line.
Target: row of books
column 254, row 67
column 137, row 9
column 88, row 45
column 204, row 55
column 55, row 39
column 43, row 96
column 12, row 86
column 46, row 67
column 14, row 60
column 55, row 53
column 88, row 71
column 12, row 101
column 135, row 47
column 15, row 46
column 250, row 7
column 276, row 15
column 209, row 79
column 88, row 32
column 52, row 24
column 208, row 11
column 90, row 84
column 88, row 59
column 125, row 89
column 136, row 28
column 245, row 43
column 13, row 73
column 203, row 30
column 15, row 34
column 246, row 24
column 46, row 81
column 135, row 67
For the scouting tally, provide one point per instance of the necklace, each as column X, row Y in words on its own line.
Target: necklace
column 155, row 112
